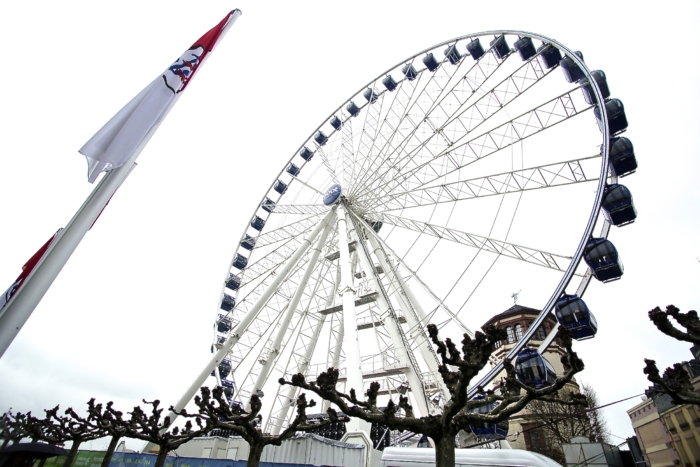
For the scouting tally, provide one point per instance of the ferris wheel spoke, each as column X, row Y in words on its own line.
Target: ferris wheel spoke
column 287, row 231
column 326, row 162
column 370, row 136
column 313, row 209
column 524, row 126
column 290, row 317
column 379, row 246
column 534, row 178
column 455, row 114
column 300, row 358
column 499, row 247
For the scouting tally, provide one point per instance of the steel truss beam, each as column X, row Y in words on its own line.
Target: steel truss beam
column 544, row 176
column 510, row 250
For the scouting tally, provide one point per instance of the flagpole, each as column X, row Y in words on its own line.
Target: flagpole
column 25, row 300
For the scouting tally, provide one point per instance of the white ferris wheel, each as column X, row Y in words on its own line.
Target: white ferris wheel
column 470, row 170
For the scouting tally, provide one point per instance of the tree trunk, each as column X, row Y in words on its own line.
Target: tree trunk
column 5, row 443
column 41, row 463
column 72, row 453
column 162, row 455
column 110, row 450
column 445, row 451
column 256, row 450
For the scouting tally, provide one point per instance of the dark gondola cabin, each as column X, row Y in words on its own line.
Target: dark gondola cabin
column 228, row 302
column 475, row 49
column 220, row 340
column 587, row 89
column 352, row 109
column 617, row 120
column 485, row 429
column 280, row 187
column 409, row 71
column 224, row 368
column 257, row 223
column 549, row 56
column 268, row 205
column 525, row 47
column 601, row 256
column 228, row 388
column 573, row 313
column 248, row 242
column 453, row 55
column 240, row 262
column 306, row 154
column 293, row 170
column 430, row 62
column 336, row 122
column 321, row 138
column 572, row 72
column 223, row 324
column 622, row 159
column 618, row 206
column 533, row 370
column 500, row 47
column 370, row 95
column 233, row 282
column 389, row 83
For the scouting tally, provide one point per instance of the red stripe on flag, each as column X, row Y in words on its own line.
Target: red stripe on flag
column 26, row 270
column 207, row 42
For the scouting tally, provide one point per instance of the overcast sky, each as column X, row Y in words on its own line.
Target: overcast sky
column 130, row 315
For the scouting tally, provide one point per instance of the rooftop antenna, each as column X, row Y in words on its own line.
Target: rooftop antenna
column 515, row 296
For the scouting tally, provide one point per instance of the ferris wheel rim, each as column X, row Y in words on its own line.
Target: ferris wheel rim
column 595, row 210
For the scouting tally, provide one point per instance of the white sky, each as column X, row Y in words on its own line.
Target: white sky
column 130, row 315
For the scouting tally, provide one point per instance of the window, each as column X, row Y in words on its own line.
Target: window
column 682, row 422
column 540, row 334
column 509, row 333
column 518, row 332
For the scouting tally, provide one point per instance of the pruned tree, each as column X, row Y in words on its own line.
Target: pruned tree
column 72, row 427
column 214, row 408
column 111, row 422
column 162, row 434
column 675, row 381
column 558, row 422
column 443, row 428
column 45, row 429
column 15, row 427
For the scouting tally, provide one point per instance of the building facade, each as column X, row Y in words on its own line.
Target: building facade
column 516, row 321
column 669, row 433
column 653, row 438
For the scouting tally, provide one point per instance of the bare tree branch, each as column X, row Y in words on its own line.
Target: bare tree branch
column 675, row 381
column 456, row 416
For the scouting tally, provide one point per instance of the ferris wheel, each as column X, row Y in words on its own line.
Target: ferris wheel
column 468, row 171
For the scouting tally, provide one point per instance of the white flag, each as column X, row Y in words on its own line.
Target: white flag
column 110, row 147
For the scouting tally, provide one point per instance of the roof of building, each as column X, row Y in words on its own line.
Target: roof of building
column 514, row 310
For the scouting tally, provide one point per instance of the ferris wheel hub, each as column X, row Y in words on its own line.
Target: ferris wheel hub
column 332, row 194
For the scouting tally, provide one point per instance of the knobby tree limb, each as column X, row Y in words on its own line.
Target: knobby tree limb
column 676, row 381
column 215, row 410
column 468, row 362
column 162, row 434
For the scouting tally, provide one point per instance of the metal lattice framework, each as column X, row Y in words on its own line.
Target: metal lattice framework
column 463, row 179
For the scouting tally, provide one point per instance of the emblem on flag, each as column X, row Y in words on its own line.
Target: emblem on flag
column 178, row 75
